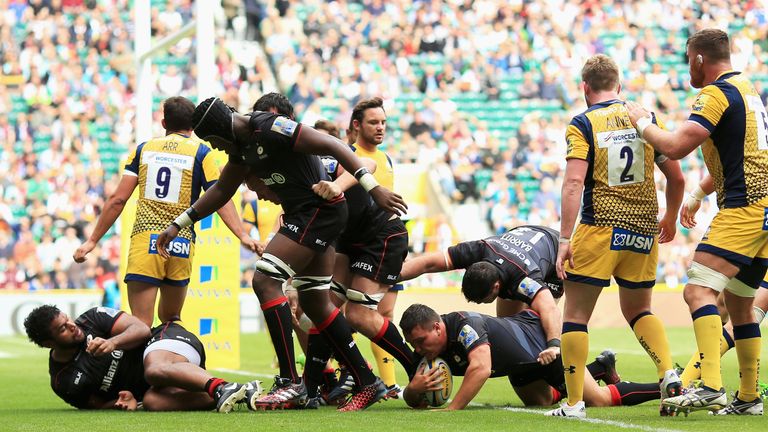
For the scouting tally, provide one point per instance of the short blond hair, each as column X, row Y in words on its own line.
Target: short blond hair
column 600, row 73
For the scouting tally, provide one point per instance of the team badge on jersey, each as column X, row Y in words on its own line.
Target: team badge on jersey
column 284, row 126
column 467, row 336
column 109, row 311
column 528, row 287
column 622, row 239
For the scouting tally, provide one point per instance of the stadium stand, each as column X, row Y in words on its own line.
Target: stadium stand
column 478, row 93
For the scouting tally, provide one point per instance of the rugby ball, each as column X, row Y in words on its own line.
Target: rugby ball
column 438, row 397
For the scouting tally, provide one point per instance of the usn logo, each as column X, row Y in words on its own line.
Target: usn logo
column 765, row 220
column 209, row 326
column 622, row 239
column 208, row 273
column 179, row 247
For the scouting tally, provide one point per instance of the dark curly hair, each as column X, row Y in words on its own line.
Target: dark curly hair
column 478, row 281
column 38, row 323
column 277, row 101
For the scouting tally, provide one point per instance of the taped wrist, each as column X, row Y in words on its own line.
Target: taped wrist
column 188, row 218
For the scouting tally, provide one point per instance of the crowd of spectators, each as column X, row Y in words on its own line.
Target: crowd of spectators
column 478, row 92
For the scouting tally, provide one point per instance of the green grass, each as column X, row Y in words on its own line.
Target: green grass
column 28, row 404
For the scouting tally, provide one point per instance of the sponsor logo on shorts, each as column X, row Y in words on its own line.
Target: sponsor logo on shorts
column 178, row 247
column 622, row 239
column 765, row 219
column 284, row 126
column 362, row 265
column 292, row 227
column 392, row 277
column 320, row 242
column 467, row 336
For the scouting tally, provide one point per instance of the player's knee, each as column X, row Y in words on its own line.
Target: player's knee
column 368, row 301
column 156, row 374
column 700, row 275
column 271, row 267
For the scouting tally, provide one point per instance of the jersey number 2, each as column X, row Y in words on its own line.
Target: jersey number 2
column 626, row 163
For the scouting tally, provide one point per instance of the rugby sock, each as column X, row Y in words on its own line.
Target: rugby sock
column 318, row 353
column 649, row 331
column 747, row 338
column 574, row 349
column 388, row 339
column 708, row 329
column 693, row 368
column 556, row 395
column 211, row 384
column 277, row 314
column 630, row 393
column 385, row 364
column 338, row 334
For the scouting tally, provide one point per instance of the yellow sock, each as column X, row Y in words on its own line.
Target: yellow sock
column 748, row 351
column 574, row 350
column 708, row 329
column 693, row 368
column 649, row 331
column 385, row 364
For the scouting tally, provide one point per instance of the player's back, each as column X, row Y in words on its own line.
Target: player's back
column 172, row 170
column 736, row 150
column 619, row 189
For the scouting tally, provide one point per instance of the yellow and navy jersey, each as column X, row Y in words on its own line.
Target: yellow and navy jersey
column 251, row 212
column 736, row 152
column 619, row 190
column 385, row 171
column 172, row 171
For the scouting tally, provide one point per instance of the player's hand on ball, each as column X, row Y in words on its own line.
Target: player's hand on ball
column 326, row 190
column 99, row 346
column 126, row 402
column 164, row 239
column 636, row 112
column 548, row 355
column 431, row 381
column 81, row 252
column 388, row 200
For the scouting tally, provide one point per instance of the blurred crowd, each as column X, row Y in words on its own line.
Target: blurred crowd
column 477, row 92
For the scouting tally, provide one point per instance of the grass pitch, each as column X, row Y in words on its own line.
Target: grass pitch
column 28, row 404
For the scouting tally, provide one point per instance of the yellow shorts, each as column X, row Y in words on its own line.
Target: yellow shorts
column 601, row 252
column 739, row 234
column 146, row 265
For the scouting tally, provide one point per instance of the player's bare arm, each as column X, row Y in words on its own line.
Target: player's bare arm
column 573, row 186
column 329, row 190
column 232, row 176
column 552, row 323
column 127, row 332
column 317, row 143
column 112, row 210
column 478, row 371
column 674, row 194
column 675, row 145
column 231, row 219
column 433, row 262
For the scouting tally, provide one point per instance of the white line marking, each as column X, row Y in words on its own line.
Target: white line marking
column 6, row 355
column 245, row 373
column 613, row 423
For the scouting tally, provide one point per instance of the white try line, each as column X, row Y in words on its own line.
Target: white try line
column 6, row 355
column 612, row 423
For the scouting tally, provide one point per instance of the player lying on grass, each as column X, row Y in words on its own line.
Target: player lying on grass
column 109, row 359
column 479, row 347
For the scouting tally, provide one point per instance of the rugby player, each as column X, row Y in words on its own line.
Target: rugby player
column 479, row 347
column 282, row 153
column 728, row 120
column 106, row 358
column 612, row 169
column 170, row 172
